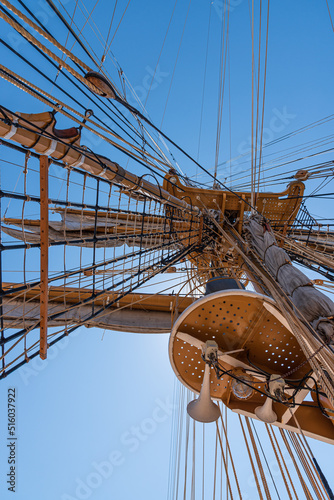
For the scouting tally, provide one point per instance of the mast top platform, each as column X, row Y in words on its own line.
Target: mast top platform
column 278, row 208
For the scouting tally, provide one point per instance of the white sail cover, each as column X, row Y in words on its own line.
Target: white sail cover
column 79, row 231
column 26, row 314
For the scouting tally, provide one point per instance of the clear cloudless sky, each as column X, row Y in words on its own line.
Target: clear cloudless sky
column 82, row 406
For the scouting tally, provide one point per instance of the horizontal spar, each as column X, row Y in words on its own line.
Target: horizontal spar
column 135, row 313
column 29, row 131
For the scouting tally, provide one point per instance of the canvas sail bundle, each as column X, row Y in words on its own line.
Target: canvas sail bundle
column 312, row 304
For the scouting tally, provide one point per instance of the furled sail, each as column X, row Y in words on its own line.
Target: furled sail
column 313, row 305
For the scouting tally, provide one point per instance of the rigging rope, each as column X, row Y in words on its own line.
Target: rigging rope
column 252, row 116
column 177, row 57
column 330, row 16
column 162, row 47
column 123, row 118
column 305, row 466
column 27, row 35
column 221, row 87
column 186, row 449
column 83, row 27
column 285, row 137
column 42, row 47
column 258, row 460
column 265, row 458
column 204, row 82
column 112, row 103
column 275, row 448
column 264, row 94
column 41, row 32
column 229, row 451
column 258, row 98
column 126, row 8
column 30, row 89
column 106, row 45
column 251, row 459
column 69, row 27
column 224, row 460
column 310, row 456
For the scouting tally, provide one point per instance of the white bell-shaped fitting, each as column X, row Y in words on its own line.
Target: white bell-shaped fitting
column 266, row 412
column 204, row 409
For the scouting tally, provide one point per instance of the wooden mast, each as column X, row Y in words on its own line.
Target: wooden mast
column 44, row 271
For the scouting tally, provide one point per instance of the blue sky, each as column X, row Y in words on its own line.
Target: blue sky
column 82, row 407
